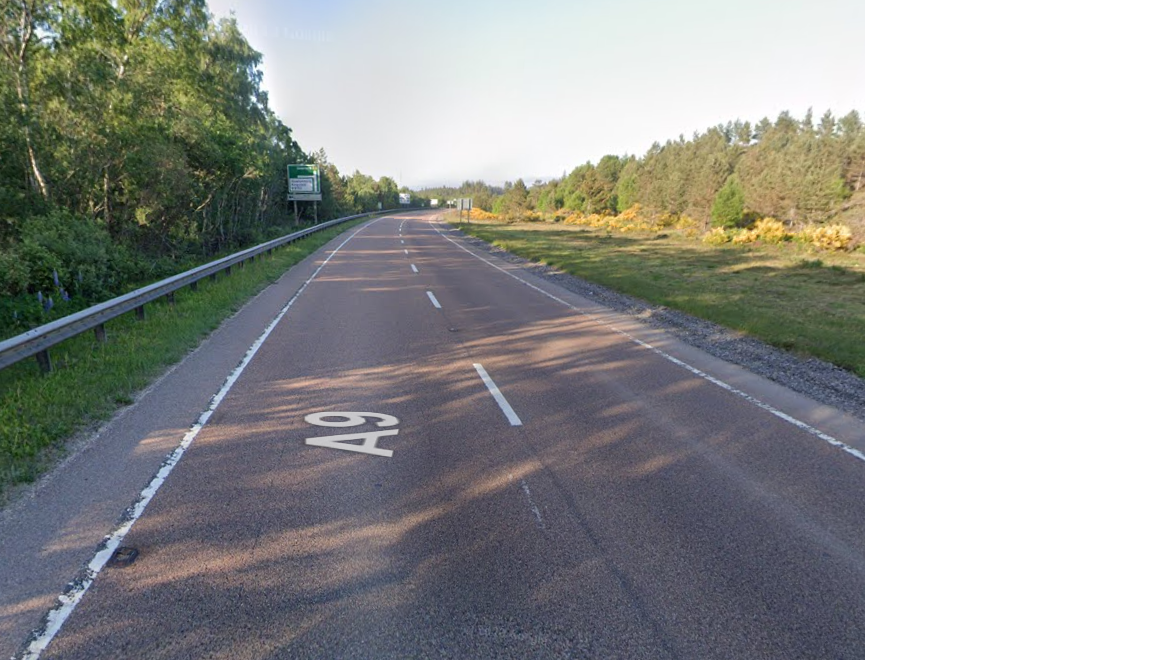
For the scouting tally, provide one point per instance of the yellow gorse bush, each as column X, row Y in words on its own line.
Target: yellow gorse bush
column 769, row 230
column 743, row 236
column 828, row 237
column 480, row 214
column 716, row 237
column 629, row 220
column 765, row 230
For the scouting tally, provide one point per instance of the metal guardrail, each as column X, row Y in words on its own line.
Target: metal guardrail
column 38, row 340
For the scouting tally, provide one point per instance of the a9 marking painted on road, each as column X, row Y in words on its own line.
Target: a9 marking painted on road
column 367, row 444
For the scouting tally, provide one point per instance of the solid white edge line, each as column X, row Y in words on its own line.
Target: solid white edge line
column 78, row 587
column 435, row 303
column 852, row 451
column 513, row 418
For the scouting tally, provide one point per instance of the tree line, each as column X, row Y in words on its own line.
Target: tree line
column 798, row 171
column 135, row 139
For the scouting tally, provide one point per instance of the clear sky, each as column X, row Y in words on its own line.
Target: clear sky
column 434, row 92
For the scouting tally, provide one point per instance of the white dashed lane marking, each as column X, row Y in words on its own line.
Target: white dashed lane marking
column 513, row 418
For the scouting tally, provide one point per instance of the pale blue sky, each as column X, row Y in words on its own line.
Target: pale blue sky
column 436, row 92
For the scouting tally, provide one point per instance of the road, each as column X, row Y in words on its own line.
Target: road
column 521, row 474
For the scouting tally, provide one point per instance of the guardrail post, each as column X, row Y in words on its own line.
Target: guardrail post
column 193, row 286
column 101, row 335
column 171, row 298
column 140, row 313
column 45, row 361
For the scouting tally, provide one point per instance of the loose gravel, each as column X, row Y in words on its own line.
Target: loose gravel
column 811, row 377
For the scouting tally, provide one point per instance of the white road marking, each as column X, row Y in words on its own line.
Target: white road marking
column 513, row 419
column 367, row 444
column 405, row 250
column 71, row 597
column 414, row 268
column 532, row 504
column 435, row 303
column 350, row 419
column 680, row 363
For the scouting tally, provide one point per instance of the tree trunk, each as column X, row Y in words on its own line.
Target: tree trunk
column 38, row 178
column 17, row 52
column 107, row 204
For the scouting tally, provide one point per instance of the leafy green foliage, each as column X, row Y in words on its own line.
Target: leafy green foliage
column 135, row 139
column 802, row 172
column 514, row 202
column 728, row 208
column 142, row 144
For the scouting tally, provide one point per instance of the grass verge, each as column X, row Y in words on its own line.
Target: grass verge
column 800, row 299
column 38, row 412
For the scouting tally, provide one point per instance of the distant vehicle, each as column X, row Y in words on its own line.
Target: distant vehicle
column 405, row 199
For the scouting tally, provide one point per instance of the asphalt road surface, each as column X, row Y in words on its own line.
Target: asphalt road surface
column 504, row 470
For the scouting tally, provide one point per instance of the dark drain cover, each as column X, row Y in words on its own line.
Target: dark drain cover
column 123, row 557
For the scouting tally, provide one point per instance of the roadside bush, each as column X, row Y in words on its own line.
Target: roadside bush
column 687, row 226
column 631, row 219
column 718, row 236
column 481, row 214
column 14, row 274
column 828, row 237
column 39, row 263
column 631, row 215
column 66, row 252
column 744, row 236
column 728, row 206
column 770, row 230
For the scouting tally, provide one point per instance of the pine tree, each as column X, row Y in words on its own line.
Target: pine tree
column 728, row 207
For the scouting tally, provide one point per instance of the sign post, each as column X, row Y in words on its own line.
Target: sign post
column 304, row 186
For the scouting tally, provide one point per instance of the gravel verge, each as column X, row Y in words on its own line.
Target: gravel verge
column 811, row 377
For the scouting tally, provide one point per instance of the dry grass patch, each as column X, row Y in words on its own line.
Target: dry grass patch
column 796, row 297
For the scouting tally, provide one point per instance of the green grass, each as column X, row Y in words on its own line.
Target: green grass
column 800, row 299
column 90, row 380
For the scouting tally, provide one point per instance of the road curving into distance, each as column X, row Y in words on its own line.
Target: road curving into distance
column 419, row 451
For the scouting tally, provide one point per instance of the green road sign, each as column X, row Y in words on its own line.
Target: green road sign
column 303, row 183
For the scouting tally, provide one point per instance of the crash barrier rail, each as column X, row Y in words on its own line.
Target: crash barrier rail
column 38, row 340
